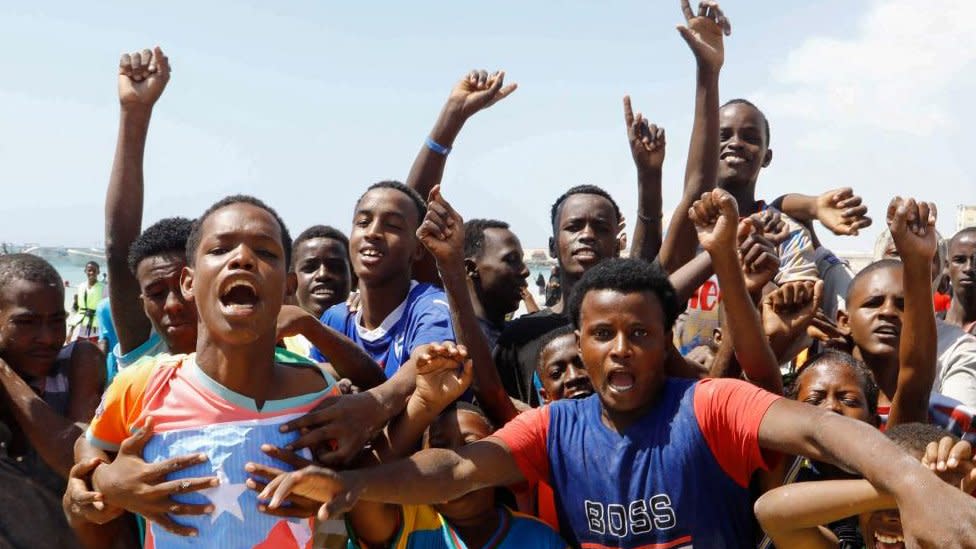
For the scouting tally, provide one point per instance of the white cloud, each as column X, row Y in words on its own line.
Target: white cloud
column 897, row 72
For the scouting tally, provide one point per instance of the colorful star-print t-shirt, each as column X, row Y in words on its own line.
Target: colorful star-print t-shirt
column 422, row 527
column 193, row 413
column 677, row 477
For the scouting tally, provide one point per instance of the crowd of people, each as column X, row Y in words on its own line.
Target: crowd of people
column 731, row 383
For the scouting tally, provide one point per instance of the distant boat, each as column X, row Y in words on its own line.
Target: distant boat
column 87, row 253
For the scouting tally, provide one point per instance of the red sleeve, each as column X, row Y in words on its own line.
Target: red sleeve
column 525, row 436
column 729, row 412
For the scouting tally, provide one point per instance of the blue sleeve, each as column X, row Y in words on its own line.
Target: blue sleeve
column 431, row 322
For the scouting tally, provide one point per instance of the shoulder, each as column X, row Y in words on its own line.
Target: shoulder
column 335, row 314
column 531, row 326
column 424, row 294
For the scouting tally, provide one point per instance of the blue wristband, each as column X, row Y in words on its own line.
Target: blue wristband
column 437, row 147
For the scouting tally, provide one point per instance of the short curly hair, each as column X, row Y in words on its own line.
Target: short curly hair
column 168, row 235
column 193, row 240
column 474, row 235
column 579, row 189
column 320, row 231
column 626, row 276
column 28, row 267
column 412, row 194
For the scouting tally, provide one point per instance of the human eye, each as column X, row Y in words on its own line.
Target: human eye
column 640, row 332
column 815, row 397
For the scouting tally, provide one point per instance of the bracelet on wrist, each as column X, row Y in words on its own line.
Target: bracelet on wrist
column 437, row 147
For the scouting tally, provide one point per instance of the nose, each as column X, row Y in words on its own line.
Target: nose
column 51, row 333
column 889, row 309
column 587, row 233
column 174, row 302
column 575, row 373
column 322, row 273
column 243, row 258
column 831, row 403
column 372, row 230
column 621, row 347
column 523, row 270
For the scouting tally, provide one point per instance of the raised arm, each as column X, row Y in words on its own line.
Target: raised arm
column 475, row 92
column 716, row 220
column 647, row 148
column 348, row 359
column 912, row 226
column 442, row 232
column 142, row 78
column 840, row 210
column 704, row 36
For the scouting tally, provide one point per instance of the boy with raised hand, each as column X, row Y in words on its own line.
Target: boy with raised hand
column 795, row 516
column 890, row 317
column 648, row 459
column 148, row 310
column 221, row 403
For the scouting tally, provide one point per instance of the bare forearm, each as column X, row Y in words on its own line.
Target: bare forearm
column 407, row 429
column 700, row 172
column 487, row 383
column 428, row 166
column 917, row 349
column 429, row 476
column 795, row 428
column 792, row 514
column 647, row 230
column 743, row 325
column 50, row 434
column 393, row 394
column 687, row 279
column 800, row 207
column 123, row 221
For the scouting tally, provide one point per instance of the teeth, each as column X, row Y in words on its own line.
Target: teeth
column 371, row 253
column 888, row 539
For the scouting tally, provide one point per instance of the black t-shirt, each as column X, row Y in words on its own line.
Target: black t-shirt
column 517, row 350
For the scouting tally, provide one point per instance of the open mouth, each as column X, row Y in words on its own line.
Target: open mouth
column 579, row 393
column 322, row 290
column 620, row 381
column 733, row 158
column 239, row 298
column 370, row 256
column 888, row 541
column 585, row 255
column 887, row 332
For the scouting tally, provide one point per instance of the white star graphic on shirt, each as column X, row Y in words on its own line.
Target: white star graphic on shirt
column 225, row 497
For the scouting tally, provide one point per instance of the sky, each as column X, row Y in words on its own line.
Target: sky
column 304, row 104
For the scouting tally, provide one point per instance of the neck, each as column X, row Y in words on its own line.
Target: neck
column 245, row 369
column 566, row 284
column 962, row 310
column 380, row 300
column 885, row 370
column 476, row 530
column 477, row 301
column 745, row 197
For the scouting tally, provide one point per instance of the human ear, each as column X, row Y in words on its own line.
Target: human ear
column 471, row 268
column 767, row 158
column 843, row 322
column 186, row 283
column 291, row 284
column 552, row 248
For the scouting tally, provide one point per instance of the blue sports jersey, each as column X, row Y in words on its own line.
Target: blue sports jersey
column 423, row 317
column 676, row 478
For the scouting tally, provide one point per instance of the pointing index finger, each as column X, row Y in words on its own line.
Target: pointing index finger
column 628, row 110
column 686, row 10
